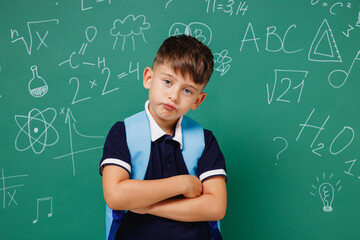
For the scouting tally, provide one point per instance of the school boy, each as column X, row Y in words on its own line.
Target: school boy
column 169, row 203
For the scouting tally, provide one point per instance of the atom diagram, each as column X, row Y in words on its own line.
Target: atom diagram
column 35, row 131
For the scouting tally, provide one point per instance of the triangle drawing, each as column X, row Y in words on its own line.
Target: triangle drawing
column 323, row 47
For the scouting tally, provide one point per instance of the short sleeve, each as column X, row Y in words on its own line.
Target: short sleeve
column 116, row 151
column 212, row 161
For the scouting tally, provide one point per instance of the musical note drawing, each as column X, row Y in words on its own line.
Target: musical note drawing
column 341, row 82
column 38, row 206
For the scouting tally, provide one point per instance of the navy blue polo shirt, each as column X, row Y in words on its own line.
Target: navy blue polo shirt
column 166, row 160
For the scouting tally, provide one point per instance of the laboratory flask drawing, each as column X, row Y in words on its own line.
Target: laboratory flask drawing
column 36, row 130
column 37, row 85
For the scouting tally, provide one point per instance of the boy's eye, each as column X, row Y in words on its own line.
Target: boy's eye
column 167, row 83
column 187, row 91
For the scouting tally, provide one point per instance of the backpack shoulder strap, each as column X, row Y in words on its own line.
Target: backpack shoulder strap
column 138, row 139
column 193, row 143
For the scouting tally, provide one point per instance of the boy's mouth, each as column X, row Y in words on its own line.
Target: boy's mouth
column 169, row 107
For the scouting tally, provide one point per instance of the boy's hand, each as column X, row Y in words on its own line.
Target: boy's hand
column 193, row 186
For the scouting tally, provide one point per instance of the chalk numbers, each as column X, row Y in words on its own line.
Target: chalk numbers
column 288, row 83
column 228, row 7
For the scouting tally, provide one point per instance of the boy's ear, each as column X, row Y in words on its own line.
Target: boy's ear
column 199, row 100
column 147, row 76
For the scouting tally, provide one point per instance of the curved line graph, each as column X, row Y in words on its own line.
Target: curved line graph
column 36, row 130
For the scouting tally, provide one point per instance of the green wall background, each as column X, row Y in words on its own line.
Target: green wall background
column 283, row 103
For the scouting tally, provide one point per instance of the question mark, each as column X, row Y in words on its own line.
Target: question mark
column 286, row 145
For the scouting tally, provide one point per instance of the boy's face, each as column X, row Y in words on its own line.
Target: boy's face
column 171, row 95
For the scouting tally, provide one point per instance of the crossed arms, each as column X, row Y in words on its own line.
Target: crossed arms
column 203, row 201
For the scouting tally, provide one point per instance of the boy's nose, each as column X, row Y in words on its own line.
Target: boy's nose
column 174, row 95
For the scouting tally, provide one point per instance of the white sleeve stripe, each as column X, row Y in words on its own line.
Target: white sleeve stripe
column 116, row 162
column 212, row 173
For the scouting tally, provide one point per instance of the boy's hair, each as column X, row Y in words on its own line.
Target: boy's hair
column 187, row 55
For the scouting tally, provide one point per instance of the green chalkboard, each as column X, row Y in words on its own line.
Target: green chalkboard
column 283, row 103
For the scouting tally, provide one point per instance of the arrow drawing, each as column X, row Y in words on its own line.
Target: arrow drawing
column 70, row 121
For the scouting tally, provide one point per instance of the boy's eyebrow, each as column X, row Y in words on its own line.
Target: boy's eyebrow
column 168, row 74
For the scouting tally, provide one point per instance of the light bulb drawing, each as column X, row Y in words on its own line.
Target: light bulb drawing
column 326, row 192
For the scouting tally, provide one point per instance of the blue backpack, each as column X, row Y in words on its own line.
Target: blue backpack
column 138, row 127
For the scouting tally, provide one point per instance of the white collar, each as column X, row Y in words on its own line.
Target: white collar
column 157, row 132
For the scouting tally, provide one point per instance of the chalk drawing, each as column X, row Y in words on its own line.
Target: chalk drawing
column 306, row 124
column 222, row 62
column 130, row 27
column 323, row 47
column 288, row 78
column 358, row 21
column 70, row 121
column 333, row 6
column 227, row 8
column 167, row 3
column 99, row 62
column 90, row 35
column 75, row 99
column 6, row 189
column 342, row 75
column 282, row 150
column 29, row 45
column 271, row 31
column 105, row 91
column 135, row 70
column 347, row 34
column 92, row 32
column 346, row 134
column 200, row 31
column 93, row 83
column 70, row 61
column 37, row 85
column 326, row 191
column 84, row 8
column 352, row 135
column 44, row 199
column 254, row 38
column 351, row 166
column 36, row 130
